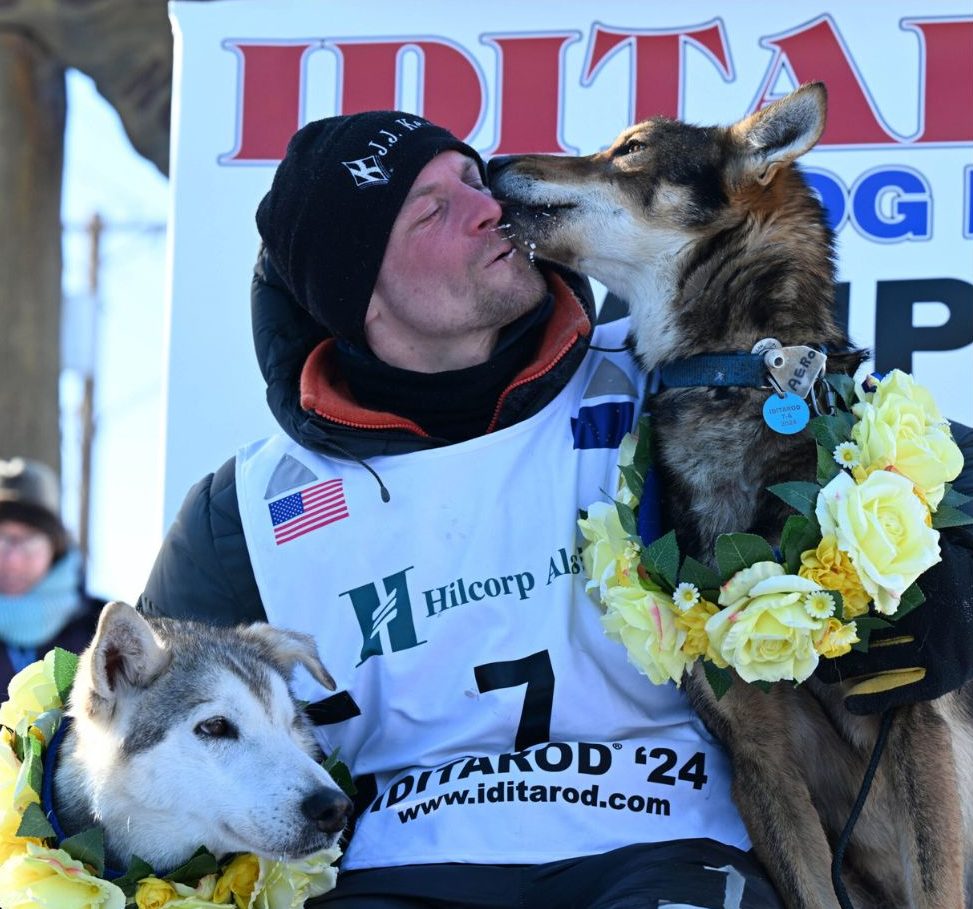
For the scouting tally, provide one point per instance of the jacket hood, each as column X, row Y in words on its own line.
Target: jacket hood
column 312, row 406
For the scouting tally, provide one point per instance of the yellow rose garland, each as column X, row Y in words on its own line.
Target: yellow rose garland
column 865, row 532
column 36, row 875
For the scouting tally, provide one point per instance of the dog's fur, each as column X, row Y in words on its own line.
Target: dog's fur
column 715, row 241
column 185, row 735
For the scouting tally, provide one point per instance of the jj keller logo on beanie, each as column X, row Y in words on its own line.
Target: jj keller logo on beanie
column 369, row 171
column 325, row 238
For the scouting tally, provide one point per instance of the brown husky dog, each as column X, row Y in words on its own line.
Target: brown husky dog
column 716, row 242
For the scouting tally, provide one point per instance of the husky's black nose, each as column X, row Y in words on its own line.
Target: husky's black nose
column 329, row 809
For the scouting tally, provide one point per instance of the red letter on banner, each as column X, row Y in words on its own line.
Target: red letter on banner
column 816, row 53
column 948, row 99
column 451, row 92
column 270, row 99
column 657, row 64
column 530, row 118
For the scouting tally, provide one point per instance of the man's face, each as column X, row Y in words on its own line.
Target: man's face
column 449, row 280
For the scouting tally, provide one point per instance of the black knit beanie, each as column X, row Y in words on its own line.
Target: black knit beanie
column 327, row 218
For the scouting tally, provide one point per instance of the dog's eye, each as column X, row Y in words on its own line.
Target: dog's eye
column 631, row 147
column 216, row 727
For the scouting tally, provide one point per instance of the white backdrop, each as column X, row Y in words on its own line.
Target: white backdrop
column 895, row 167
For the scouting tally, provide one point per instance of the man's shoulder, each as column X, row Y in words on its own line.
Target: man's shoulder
column 203, row 569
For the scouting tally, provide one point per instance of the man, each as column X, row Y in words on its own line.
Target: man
column 446, row 408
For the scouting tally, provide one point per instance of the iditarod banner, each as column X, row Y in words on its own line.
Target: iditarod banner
column 894, row 167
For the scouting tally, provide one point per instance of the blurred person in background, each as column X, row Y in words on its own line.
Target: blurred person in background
column 42, row 603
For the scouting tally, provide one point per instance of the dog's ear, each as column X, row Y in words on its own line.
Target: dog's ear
column 288, row 648
column 781, row 132
column 125, row 651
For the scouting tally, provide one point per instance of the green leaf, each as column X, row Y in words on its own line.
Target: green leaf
column 705, row 579
column 954, row 497
column 763, row 685
column 947, row 516
column 828, row 468
column 340, row 773
column 88, row 848
column 865, row 625
column 137, row 870
column 800, row 496
column 626, row 517
column 719, row 680
column 799, row 535
column 65, row 668
column 661, row 559
column 642, row 459
column 829, row 432
column 735, row 551
column 34, row 823
column 839, row 605
column 633, row 480
column 912, row 598
column 202, row 863
column 32, row 771
column 844, row 387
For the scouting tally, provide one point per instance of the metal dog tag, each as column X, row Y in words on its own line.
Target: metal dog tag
column 795, row 369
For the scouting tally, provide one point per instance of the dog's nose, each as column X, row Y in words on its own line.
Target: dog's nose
column 329, row 809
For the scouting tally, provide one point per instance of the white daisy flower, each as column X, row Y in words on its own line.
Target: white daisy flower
column 685, row 596
column 847, row 454
column 819, row 604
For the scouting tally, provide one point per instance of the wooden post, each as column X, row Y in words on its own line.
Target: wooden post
column 94, row 230
column 32, row 112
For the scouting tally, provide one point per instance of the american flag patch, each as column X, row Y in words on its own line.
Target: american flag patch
column 307, row 510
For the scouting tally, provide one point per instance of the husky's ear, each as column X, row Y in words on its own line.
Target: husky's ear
column 125, row 651
column 288, row 648
column 781, row 132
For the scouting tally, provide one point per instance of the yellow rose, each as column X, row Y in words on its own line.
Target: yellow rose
column 881, row 525
column 764, row 631
column 152, row 893
column 831, row 569
column 693, row 622
column 901, row 427
column 289, row 885
column 50, row 879
column 31, row 692
column 238, row 880
column 835, row 638
column 610, row 556
column 645, row 622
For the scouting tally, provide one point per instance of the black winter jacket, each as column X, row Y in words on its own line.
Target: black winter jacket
column 203, row 570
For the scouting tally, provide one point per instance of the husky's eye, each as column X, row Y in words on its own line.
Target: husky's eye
column 631, row 147
column 216, row 727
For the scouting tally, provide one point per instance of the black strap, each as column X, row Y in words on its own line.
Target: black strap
column 839, row 851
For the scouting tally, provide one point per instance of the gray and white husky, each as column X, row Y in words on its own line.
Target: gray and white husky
column 185, row 735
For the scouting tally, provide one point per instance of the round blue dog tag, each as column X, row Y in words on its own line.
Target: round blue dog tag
column 786, row 415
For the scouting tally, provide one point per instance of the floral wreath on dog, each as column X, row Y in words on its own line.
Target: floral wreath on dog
column 847, row 563
column 36, row 872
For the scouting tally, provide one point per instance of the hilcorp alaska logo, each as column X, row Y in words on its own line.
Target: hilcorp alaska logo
column 386, row 613
column 458, row 91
